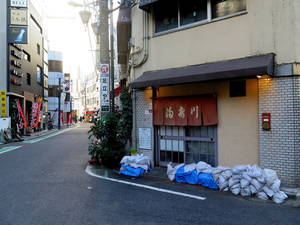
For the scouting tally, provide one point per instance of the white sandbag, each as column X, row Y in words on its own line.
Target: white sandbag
column 233, row 181
column 143, row 160
column 226, row 174
column 226, row 189
column 245, row 191
column 219, row 169
column 135, row 165
column 276, row 186
column 268, row 191
column 246, row 176
column 261, row 179
column 239, row 169
column 262, row 195
column 202, row 166
column 125, row 160
column 189, row 167
column 256, row 184
column 236, row 191
column 252, row 189
column 270, row 176
column 208, row 170
column 171, row 171
column 244, row 183
column 216, row 176
column 255, row 171
column 279, row 197
column 238, row 185
column 223, row 185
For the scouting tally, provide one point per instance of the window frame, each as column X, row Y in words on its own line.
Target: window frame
column 198, row 23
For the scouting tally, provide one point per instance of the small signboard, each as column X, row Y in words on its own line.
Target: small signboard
column 18, row 3
column 18, row 35
column 3, row 103
column 145, row 138
column 18, row 17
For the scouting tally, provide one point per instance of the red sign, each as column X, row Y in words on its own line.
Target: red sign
column 193, row 111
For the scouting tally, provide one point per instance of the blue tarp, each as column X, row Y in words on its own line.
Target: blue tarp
column 192, row 177
column 130, row 171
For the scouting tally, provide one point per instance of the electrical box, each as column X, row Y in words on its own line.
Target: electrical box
column 266, row 121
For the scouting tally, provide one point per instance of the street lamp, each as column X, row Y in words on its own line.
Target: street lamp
column 85, row 16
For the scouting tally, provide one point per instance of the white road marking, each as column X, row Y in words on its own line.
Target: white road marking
column 88, row 171
column 8, row 149
column 46, row 136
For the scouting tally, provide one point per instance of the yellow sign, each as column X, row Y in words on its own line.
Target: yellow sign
column 18, row 17
column 3, row 103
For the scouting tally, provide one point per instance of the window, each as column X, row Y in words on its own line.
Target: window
column 39, row 74
column 166, row 16
column 237, row 88
column 28, row 79
column 26, row 56
column 226, row 7
column 175, row 14
column 38, row 49
column 193, row 12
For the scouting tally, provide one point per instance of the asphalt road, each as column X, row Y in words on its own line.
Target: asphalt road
column 45, row 183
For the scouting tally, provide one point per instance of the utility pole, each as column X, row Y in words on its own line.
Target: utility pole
column 112, row 61
column 105, row 57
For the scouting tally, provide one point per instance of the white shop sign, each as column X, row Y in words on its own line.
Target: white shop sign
column 18, row 3
column 145, row 138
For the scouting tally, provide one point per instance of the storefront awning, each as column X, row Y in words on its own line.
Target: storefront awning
column 237, row 68
column 145, row 4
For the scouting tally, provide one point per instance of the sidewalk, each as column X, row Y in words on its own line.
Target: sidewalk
column 159, row 174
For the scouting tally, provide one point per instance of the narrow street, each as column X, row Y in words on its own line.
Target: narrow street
column 45, row 183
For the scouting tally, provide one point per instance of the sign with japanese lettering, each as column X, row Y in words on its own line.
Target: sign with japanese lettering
column 104, row 88
column 18, row 17
column 145, row 138
column 18, row 3
column 193, row 111
column 3, row 103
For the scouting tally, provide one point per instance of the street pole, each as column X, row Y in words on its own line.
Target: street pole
column 112, row 57
column 59, row 97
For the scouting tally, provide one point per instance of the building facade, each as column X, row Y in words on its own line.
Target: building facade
column 217, row 81
column 22, row 72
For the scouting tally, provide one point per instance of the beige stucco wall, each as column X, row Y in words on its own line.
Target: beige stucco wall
column 238, row 119
column 270, row 26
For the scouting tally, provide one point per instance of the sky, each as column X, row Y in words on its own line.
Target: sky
column 67, row 34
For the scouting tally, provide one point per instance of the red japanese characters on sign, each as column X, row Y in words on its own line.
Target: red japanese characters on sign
column 194, row 111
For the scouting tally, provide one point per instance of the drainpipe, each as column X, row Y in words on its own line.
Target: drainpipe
column 145, row 48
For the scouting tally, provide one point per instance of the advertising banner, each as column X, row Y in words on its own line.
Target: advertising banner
column 18, row 35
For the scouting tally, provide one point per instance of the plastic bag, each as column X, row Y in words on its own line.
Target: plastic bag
column 255, row 171
column 239, row 169
column 252, row 189
column 171, row 171
column 233, row 181
column 246, row 176
column 244, row 183
column 226, row 174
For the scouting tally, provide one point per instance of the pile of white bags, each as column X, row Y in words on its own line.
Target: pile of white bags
column 246, row 180
column 137, row 161
column 249, row 180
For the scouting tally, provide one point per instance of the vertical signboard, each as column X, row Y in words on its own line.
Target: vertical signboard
column 18, row 3
column 3, row 103
column 18, row 35
column 104, row 88
column 18, row 17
